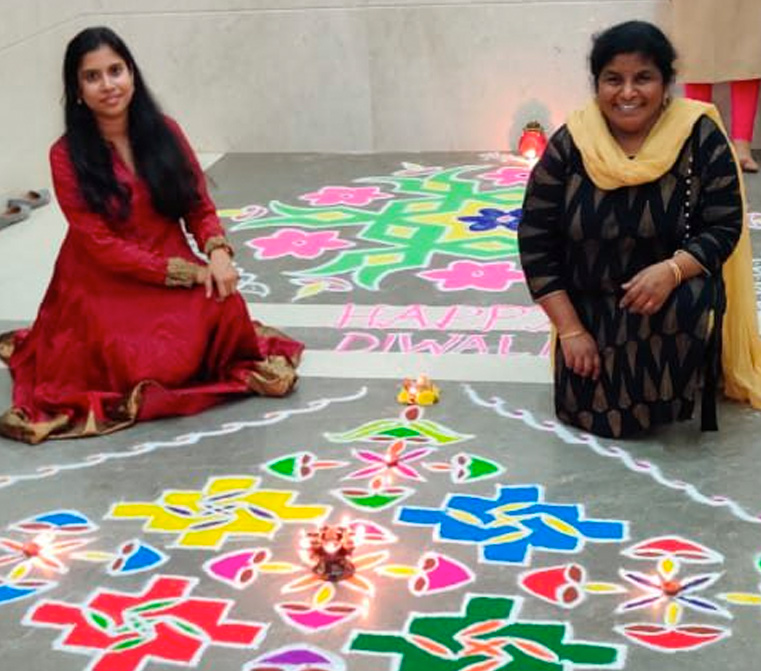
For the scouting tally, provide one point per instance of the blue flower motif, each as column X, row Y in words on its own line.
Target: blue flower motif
column 490, row 218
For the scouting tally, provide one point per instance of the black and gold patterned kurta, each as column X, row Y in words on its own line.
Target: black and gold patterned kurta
column 577, row 238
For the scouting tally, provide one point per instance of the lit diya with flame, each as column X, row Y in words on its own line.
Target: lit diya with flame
column 420, row 391
column 329, row 549
column 533, row 141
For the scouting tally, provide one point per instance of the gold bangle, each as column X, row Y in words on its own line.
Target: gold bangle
column 676, row 270
column 217, row 242
column 571, row 334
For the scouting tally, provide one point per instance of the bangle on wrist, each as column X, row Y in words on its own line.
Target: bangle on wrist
column 571, row 334
column 217, row 242
column 676, row 270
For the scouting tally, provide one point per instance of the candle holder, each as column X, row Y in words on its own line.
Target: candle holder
column 533, row 141
column 420, row 391
column 31, row 549
column 328, row 551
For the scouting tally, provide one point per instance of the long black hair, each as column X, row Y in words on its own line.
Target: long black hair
column 632, row 37
column 159, row 158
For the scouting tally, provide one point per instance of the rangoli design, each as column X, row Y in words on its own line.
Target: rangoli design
column 508, row 527
column 297, row 658
column 486, row 636
column 300, row 466
column 378, row 495
column 163, row 623
column 397, row 460
column 566, row 586
column 227, row 507
column 463, row 467
column 410, row 426
column 667, row 593
column 423, row 215
column 434, row 572
column 460, row 275
column 449, row 230
column 50, row 542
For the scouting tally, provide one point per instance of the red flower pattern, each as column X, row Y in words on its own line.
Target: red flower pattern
column 123, row 632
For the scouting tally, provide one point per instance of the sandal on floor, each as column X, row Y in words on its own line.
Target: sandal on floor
column 14, row 214
column 32, row 199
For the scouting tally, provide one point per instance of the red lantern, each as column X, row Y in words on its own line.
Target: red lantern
column 533, row 141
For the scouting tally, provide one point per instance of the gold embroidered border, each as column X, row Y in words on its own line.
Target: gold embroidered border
column 7, row 345
column 15, row 424
column 275, row 376
column 181, row 272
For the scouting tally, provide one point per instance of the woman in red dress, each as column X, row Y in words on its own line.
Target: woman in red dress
column 134, row 325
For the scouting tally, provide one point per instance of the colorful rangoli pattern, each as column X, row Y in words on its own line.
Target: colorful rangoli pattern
column 487, row 635
column 454, row 229
column 163, row 623
column 516, row 521
column 420, row 217
column 667, row 593
column 410, row 427
column 46, row 545
column 227, row 507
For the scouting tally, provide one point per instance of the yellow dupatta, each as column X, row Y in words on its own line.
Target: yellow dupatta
column 610, row 168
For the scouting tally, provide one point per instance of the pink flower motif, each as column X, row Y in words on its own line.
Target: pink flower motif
column 396, row 460
column 301, row 244
column 460, row 275
column 345, row 195
column 508, row 175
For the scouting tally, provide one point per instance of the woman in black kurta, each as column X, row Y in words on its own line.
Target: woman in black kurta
column 588, row 242
column 655, row 347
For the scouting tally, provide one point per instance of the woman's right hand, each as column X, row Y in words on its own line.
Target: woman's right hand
column 581, row 355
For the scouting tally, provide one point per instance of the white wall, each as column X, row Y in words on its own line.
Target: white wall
column 33, row 34
column 313, row 75
column 365, row 75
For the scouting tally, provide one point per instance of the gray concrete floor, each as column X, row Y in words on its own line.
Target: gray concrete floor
column 510, row 540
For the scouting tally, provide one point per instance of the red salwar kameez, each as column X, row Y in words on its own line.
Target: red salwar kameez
column 124, row 333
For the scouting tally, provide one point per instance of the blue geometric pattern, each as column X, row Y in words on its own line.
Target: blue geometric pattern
column 10, row 591
column 58, row 521
column 136, row 557
column 508, row 527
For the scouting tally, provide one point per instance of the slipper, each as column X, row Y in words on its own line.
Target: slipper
column 14, row 214
column 32, row 199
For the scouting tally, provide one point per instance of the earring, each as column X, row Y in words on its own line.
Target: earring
column 79, row 101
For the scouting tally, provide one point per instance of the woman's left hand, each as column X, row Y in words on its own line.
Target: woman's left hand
column 222, row 274
column 648, row 290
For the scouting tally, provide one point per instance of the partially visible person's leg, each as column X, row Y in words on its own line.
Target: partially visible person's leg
column 701, row 92
column 744, row 106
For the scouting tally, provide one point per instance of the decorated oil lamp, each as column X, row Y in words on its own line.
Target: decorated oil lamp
column 533, row 141
column 671, row 587
column 328, row 551
column 38, row 545
column 420, row 391
column 31, row 549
